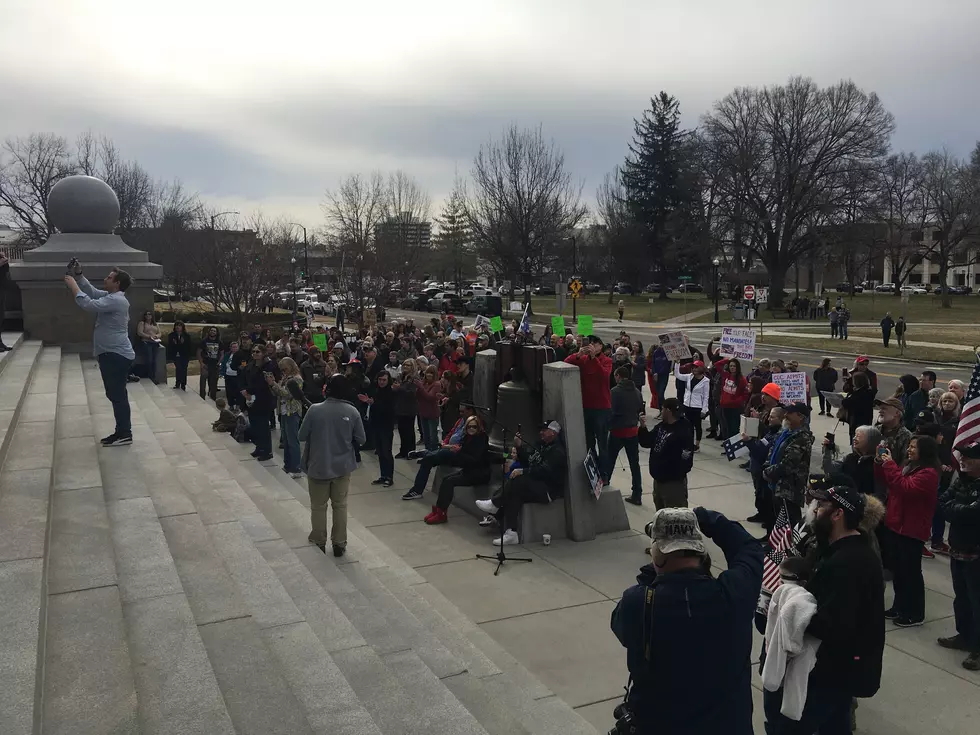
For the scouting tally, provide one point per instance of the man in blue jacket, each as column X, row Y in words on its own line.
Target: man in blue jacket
column 688, row 636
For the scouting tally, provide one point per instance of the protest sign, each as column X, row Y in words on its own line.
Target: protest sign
column 370, row 318
column 320, row 342
column 738, row 342
column 750, row 426
column 481, row 321
column 584, row 326
column 516, row 306
column 792, row 387
column 496, row 324
column 675, row 346
column 592, row 470
column 558, row 325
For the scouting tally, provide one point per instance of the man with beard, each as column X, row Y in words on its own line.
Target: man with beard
column 849, row 621
column 894, row 435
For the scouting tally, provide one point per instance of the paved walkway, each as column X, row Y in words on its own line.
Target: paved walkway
column 553, row 614
column 874, row 340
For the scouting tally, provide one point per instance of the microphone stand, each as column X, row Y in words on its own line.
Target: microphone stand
column 500, row 557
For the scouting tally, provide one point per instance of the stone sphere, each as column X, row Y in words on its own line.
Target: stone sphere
column 83, row 204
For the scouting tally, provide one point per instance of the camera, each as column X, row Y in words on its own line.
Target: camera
column 72, row 265
column 625, row 720
column 829, row 436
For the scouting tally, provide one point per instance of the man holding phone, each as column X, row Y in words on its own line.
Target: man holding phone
column 110, row 342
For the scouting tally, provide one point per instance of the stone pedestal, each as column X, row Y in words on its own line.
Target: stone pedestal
column 584, row 515
column 484, row 383
column 85, row 211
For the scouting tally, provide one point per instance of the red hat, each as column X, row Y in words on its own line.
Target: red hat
column 863, row 359
column 698, row 363
column 772, row 390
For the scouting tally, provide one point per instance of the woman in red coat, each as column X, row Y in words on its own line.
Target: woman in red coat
column 912, row 494
column 734, row 394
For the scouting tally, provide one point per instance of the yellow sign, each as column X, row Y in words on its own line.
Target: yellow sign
column 575, row 286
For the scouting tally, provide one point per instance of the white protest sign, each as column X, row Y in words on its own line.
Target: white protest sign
column 750, row 426
column 738, row 342
column 481, row 321
column 792, row 387
column 675, row 346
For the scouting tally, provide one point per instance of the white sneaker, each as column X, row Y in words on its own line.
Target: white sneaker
column 296, row 475
column 486, row 506
column 509, row 539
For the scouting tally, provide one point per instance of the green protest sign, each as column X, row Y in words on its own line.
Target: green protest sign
column 320, row 342
column 496, row 324
column 584, row 325
column 558, row 325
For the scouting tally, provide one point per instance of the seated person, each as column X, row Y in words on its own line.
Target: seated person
column 451, row 444
column 473, row 459
column 226, row 417
column 542, row 481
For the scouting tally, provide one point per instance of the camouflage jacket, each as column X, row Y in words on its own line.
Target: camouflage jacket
column 897, row 441
column 788, row 471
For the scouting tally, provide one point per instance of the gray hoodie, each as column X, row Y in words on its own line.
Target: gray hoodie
column 330, row 430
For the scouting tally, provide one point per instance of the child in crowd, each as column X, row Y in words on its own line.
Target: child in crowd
column 226, row 417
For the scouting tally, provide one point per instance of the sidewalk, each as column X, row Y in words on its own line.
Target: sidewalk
column 553, row 615
column 872, row 340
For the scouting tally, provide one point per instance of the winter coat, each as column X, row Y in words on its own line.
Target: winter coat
column 406, row 398
column 661, row 363
column 179, row 346
column 382, row 411
column 695, row 396
column 627, row 405
column 825, row 379
column 858, row 468
column 734, row 391
column 594, row 373
column 639, row 371
column 671, row 449
column 960, row 507
column 788, row 468
column 692, row 618
column 860, row 408
column 911, row 498
column 428, row 396
column 546, row 464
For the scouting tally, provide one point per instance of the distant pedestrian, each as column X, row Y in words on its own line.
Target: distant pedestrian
column 834, row 316
column 887, row 325
column 825, row 379
column 901, row 328
column 843, row 317
column 621, row 307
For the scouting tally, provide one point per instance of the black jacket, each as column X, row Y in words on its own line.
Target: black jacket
column 860, row 408
column 473, row 455
column 825, row 379
column 179, row 346
column 627, row 405
column 671, row 449
column 545, row 463
column 850, row 618
column 960, row 506
column 256, row 386
column 314, row 378
column 860, row 469
column 698, row 678
column 383, row 408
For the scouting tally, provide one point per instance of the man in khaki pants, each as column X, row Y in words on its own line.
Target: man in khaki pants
column 330, row 430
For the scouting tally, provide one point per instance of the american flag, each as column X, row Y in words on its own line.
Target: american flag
column 782, row 538
column 525, row 321
column 734, row 446
column 968, row 430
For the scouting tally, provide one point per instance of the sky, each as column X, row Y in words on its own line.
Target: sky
column 266, row 105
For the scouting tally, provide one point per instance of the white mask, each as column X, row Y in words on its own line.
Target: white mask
column 810, row 512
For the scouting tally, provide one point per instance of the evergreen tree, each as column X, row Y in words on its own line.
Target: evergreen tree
column 453, row 243
column 659, row 182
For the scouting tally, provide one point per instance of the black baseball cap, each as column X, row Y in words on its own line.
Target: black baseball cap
column 970, row 451
column 798, row 407
column 849, row 499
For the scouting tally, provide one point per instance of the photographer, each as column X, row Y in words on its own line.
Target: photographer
column 110, row 342
column 680, row 625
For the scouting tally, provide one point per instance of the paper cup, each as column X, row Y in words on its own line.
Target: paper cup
column 547, row 539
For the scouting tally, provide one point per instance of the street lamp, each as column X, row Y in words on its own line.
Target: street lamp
column 292, row 263
column 715, row 284
column 306, row 249
column 219, row 214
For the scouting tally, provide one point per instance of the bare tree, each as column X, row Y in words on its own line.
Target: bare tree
column 352, row 212
column 134, row 187
column 783, row 154
column 29, row 169
column 620, row 236
column 402, row 236
column 953, row 202
column 522, row 203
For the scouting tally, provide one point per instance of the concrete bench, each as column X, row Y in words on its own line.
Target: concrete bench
column 160, row 368
column 537, row 519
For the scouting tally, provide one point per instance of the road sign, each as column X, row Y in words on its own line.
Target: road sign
column 684, row 278
column 575, row 286
column 748, row 293
column 762, row 295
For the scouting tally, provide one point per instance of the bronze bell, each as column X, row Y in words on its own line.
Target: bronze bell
column 517, row 406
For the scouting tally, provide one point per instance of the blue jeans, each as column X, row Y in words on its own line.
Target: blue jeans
column 827, row 711
column 430, row 433
column 115, row 369
column 842, row 329
column 430, row 460
column 597, row 432
column 289, row 426
column 632, row 446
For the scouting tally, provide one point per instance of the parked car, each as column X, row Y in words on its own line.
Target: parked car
column 954, row 290
column 545, row 289
column 885, row 288
column 915, row 290
column 591, row 287
column 445, row 302
column 655, row 288
column 487, row 305
column 846, row 288
column 690, row 288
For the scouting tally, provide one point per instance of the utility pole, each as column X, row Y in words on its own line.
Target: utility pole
column 574, row 275
column 306, row 250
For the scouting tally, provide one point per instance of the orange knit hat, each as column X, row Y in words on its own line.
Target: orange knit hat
column 772, row 390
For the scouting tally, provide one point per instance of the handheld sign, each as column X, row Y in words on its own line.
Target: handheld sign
column 496, row 324
column 792, row 387
column 675, row 346
column 584, row 326
column 558, row 325
column 320, row 342
column 738, row 342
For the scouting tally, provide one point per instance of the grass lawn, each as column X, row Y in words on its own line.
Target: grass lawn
column 638, row 308
column 960, row 334
column 931, row 354
column 868, row 307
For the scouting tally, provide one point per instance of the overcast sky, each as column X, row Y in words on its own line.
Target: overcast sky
column 268, row 104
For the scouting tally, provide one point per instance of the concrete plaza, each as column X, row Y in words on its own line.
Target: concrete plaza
column 552, row 615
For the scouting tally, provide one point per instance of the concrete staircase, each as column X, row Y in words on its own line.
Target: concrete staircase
column 168, row 587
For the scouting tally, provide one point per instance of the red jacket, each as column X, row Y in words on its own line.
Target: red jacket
column 428, row 399
column 595, row 372
column 733, row 392
column 446, row 363
column 911, row 499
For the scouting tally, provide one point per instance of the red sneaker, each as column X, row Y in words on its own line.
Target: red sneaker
column 926, row 554
column 431, row 513
column 436, row 517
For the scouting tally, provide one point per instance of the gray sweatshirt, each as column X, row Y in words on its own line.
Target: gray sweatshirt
column 330, row 430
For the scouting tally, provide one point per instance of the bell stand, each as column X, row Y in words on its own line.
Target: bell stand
column 500, row 557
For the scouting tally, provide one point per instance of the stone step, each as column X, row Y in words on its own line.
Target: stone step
column 463, row 655
column 15, row 381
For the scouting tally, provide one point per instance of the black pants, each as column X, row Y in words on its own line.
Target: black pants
column 680, row 386
column 180, row 372
column 694, row 416
column 115, row 370
column 406, row 434
column 233, row 391
column 383, row 437
column 966, row 603
column 713, row 418
column 885, row 336
column 827, row 711
column 210, row 380
column 261, row 430
column 906, row 565
column 431, row 459
column 515, row 493
column 463, row 478
column 823, row 401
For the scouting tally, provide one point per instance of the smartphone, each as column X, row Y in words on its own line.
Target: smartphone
column 882, row 449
